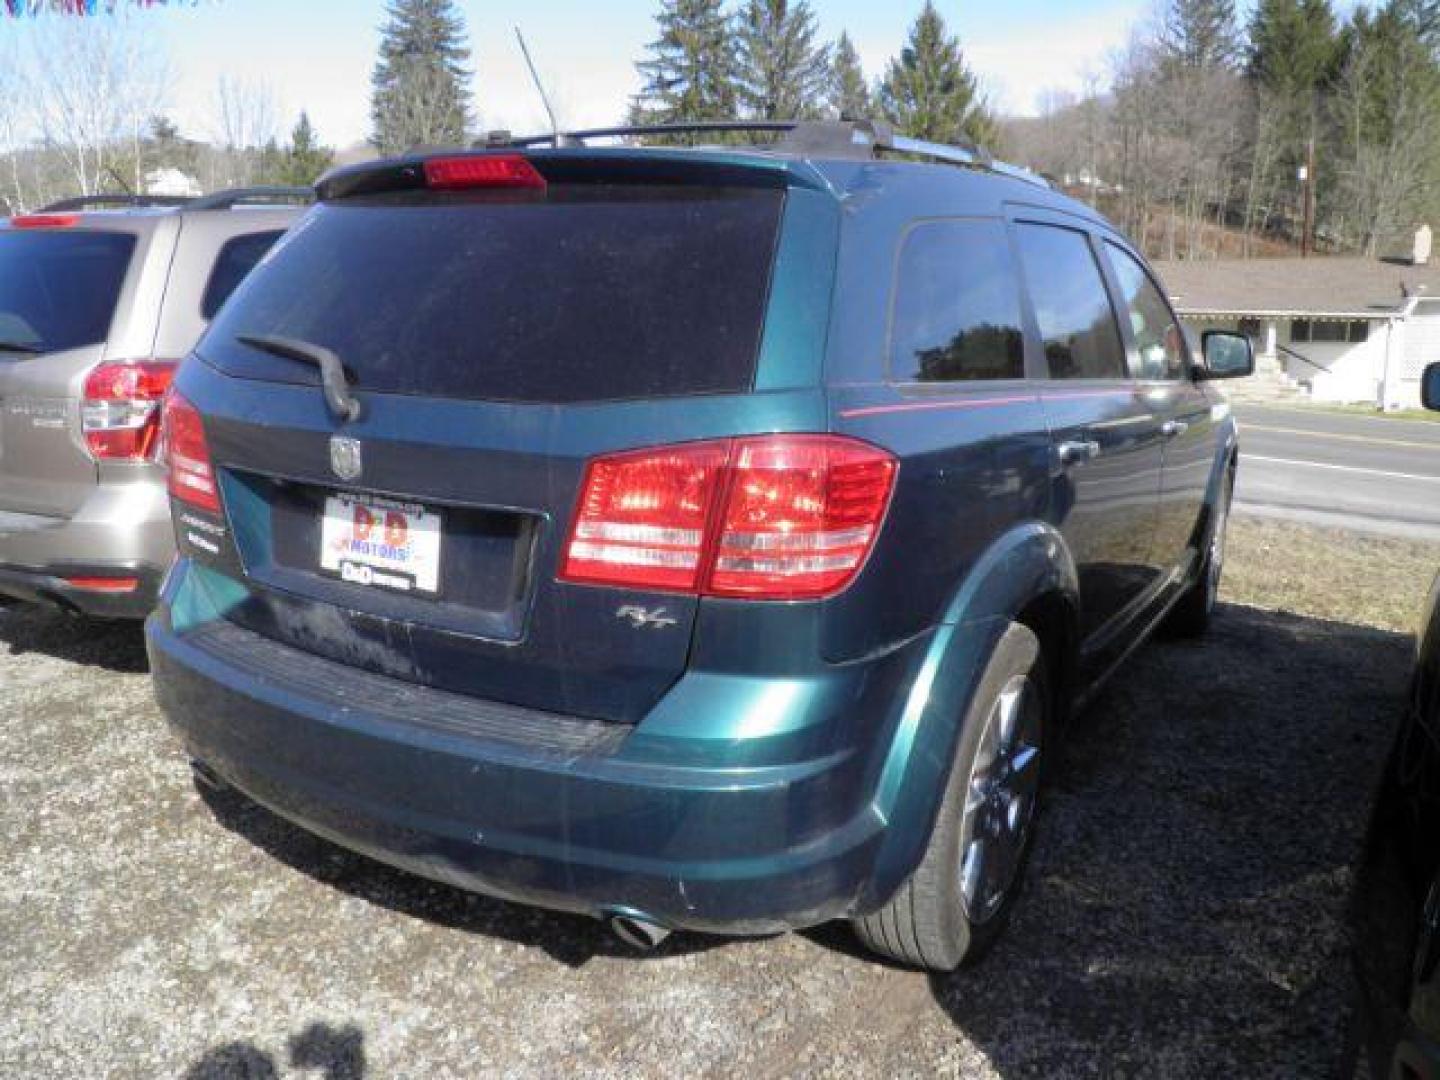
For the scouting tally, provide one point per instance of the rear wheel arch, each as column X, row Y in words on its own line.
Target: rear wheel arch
column 1028, row 578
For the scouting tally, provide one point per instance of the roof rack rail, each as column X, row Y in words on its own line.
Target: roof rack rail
column 87, row 202
column 247, row 196
column 863, row 139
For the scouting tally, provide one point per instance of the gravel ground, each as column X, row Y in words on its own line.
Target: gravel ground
column 1181, row 914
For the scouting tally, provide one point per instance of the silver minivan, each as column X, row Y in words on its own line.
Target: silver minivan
column 100, row 298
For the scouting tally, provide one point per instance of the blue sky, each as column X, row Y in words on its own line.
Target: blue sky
column 317, row 54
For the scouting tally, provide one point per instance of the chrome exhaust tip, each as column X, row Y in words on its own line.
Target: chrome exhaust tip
column 640, row 934
column 206, row 777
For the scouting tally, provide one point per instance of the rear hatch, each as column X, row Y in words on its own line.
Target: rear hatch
column 496, row 339
column 60, row 287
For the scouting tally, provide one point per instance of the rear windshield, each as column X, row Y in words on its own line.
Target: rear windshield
column 598, row 292
column 58, row 289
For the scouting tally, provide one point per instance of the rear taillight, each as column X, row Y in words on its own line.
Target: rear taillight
column 773, row 517
column 45, row 221
column 120, row 413
column 192, row 476
column 482, row 171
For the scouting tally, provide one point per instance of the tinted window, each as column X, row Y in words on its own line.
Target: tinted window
column 1077, row 324
column 58, row 289
column 596, row 292
column 957, row 305
column 1158, row 337
column 236, row 259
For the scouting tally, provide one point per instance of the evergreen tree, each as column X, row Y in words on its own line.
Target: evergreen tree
column 929, row 92
column 305, row 159
column 1200, row 34
column 849, row 94
column 782, row 73
column 420, row 94
column 1386, row 110
column 691, row 70
column 1292, row 47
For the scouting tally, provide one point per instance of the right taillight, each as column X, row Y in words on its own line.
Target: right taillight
column 771, row 517
column 192, row 475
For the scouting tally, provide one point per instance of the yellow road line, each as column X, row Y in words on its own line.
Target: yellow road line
column 1408, row 443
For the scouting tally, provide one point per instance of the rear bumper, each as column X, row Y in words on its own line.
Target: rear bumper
column 590, row 817
column 122, row 530
column 58, row 587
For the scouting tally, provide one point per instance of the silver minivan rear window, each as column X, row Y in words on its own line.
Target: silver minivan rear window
column 59, row 287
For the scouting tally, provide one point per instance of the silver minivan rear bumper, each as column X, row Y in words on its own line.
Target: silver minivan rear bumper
column 121, row 532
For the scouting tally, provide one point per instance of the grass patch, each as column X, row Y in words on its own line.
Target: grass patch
column 1370, row 410
column 1328, row 573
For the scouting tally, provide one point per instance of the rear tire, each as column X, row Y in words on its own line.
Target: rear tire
column 1190, row 617
column 957, row 902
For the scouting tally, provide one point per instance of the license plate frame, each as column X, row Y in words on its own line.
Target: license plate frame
column 382, row 543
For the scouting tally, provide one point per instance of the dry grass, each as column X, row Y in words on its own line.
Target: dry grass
column 1327, row 573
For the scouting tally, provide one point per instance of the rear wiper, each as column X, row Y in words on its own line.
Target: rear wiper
column 30, row 348
column 332, row 372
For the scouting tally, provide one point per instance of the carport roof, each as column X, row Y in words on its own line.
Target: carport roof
column 1320, row 287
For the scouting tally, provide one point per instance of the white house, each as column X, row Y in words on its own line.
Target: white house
column 1341, row 329
column 171, row 181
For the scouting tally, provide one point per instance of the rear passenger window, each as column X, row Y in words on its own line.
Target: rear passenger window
column 236, row 259
column 957, row 305
column 1158, row 336
column 1077, row 323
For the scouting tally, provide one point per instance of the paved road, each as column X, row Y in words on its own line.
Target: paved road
column 1327, row 468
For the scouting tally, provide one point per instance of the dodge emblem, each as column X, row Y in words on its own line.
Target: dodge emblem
column 345, row 457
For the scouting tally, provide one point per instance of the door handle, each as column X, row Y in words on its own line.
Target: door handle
column 1172, row 428
column 1078, row 451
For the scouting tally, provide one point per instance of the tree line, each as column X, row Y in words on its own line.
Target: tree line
column 1295, row 127
column 1193, row 136
column 709, row 60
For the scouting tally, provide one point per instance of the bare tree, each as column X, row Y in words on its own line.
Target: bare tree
column 93, row 85
column 246, row 128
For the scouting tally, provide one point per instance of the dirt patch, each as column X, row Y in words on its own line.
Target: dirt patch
column 1181, row 915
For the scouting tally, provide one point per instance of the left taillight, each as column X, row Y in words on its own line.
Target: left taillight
column 192, row 474
column 768, row 517
column 120, row 412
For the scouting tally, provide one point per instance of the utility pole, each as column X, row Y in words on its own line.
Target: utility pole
column 1307, row 212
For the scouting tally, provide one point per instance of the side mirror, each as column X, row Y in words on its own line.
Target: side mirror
column 1227, row 355
column 1430, row 387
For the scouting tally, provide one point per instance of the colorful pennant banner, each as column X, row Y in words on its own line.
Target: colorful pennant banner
column 77, row 7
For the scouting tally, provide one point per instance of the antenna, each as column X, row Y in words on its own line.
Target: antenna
column 540, row 87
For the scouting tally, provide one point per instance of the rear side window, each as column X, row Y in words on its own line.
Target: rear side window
column 594, row 293
column 1072, row 308
column 957, row 305
column 1158, row 336
column 58, row 288
column 236, row 259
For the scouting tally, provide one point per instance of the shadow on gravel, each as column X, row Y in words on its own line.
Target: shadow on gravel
column 1183, row 908
column 113, row 644
column 573, row 940
column 336, row 1053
